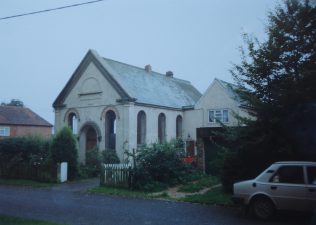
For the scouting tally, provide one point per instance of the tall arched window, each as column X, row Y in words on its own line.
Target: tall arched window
column 141, row 128
column 73, row 122
column 110, row 129
column 161, row 128
column 179, row 127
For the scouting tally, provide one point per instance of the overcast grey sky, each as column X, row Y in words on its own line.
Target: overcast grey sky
column 196, row 39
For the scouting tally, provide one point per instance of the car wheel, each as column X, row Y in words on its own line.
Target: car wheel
column 263, row 208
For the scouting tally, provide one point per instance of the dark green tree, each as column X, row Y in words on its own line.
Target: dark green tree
column 64, row 149
column 277, row 80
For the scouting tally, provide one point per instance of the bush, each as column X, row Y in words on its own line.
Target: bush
column 26, row 158
column 158, row 165
column 92, row 167
column 64, row 149
column 109, row 156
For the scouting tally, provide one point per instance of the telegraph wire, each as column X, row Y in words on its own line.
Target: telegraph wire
column 48, row 10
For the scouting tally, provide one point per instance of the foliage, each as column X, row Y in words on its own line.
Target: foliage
column 92, row 167
column 277, row 83
column 109, row 156
column 14, row 102
column 215, row 196
column 120, row 192
column 26, row 158
column 64, row 149
column 198, row 185
column 158, row 166
column 94, row 159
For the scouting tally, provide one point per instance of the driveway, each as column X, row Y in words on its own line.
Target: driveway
column 68, row 203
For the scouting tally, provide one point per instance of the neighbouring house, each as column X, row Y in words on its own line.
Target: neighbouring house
column 17, row 121
column 112, row 105
column 220, row 104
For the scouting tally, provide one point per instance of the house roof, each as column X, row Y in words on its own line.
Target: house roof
column 17, row 115
column 136, row 84
column 152, row 87
column 232, row 92
column 230, row 88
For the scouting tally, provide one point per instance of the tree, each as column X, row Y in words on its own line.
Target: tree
column 64, row 149
column 277, row 79
column 14, row 102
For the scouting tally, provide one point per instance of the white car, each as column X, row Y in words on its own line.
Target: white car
column 282, row 186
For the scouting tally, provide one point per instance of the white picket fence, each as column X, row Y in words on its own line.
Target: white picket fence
column 116, row 174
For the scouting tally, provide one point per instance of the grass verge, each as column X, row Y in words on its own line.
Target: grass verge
column 123, row 192
column 204, row 182
column 28, row 183
column 8, row 220
column 215, row 196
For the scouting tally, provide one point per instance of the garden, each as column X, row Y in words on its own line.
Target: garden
column 159, row 170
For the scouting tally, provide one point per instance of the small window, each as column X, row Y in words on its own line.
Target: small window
column 161, row 128
column 220, row 115
column 211, row 116
column 311, row 175
column 73, row 122
column 225, row 116
column 5, row 131
column 289, row 174
column 141, row 128
column 179, row 126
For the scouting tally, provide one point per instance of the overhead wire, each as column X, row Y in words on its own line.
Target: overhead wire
column 48, row 10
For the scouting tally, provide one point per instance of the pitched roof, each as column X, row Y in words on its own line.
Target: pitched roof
column 136, row 84
column 152, row 87
column 16, row 115
column 230, row 88
column 232, row 92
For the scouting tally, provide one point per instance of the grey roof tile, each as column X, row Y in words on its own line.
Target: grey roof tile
column 152, row 87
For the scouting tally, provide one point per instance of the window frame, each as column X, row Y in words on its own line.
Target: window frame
column 219, row 115
column 275, row 178
column 5, row 131
column 141, row 127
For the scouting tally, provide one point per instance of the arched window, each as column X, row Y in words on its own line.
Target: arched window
column 110, row 129
column 161, row 128
column 141, row 128
column 73, row 122
column 179, row 127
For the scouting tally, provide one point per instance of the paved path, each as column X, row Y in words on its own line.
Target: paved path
column 68, row 203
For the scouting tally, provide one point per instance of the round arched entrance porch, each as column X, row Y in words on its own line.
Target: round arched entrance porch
column 89, row 138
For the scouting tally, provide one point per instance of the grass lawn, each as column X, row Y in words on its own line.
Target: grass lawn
column 215, row 196
column 7, row 220
column 28, row 183
column 124, row 192
column 203, row 182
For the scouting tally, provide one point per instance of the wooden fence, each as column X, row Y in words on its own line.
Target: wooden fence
column 116, row 175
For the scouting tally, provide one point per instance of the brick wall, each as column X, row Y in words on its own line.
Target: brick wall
column 19, row 131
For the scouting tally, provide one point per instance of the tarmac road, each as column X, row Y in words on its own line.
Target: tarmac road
column 68, row 203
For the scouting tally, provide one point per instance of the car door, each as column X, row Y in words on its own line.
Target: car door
column 288, row 189
column 311, row 187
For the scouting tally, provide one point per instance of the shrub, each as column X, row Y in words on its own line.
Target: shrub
column 158, row 165
column 109, row 156
column 64, row 149
column 92, row 167
column 26, row 158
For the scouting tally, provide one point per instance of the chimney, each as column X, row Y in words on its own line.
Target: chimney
column 148, row 68
column 169, row 74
